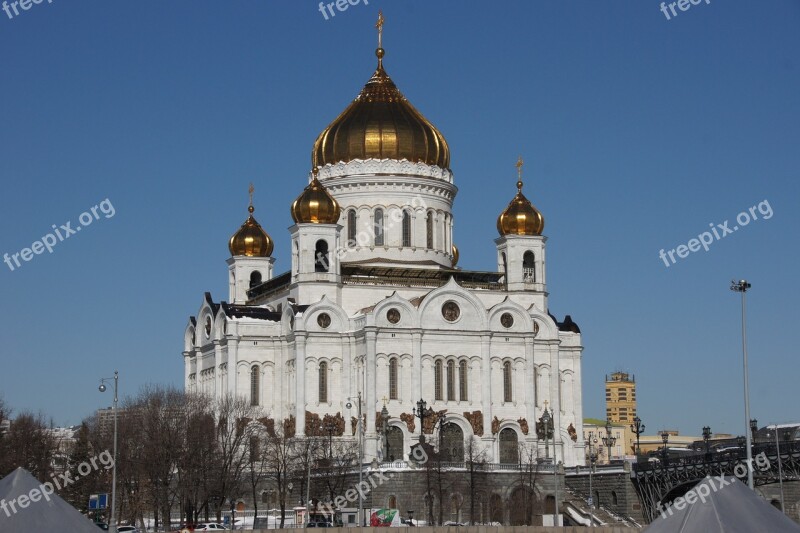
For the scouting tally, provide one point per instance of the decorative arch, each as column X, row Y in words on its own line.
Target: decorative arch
column 339, row 319
column 471, row 307
column 409, row 315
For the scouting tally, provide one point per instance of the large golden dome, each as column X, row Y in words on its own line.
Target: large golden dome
column 520, row 217
column 316, row 205
column 251, row 240
column 381, row 124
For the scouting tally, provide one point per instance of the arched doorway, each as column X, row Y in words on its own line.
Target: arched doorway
column 509, row 447
column 452, row 447
column 394, row 438
column 522, row 507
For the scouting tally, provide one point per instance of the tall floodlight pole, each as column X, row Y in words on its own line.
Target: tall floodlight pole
column 113, row 521
column 742, row 286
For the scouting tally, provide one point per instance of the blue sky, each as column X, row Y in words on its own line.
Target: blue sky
column 637, row 131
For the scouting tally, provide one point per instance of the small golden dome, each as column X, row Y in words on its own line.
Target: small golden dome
column 315, row 205
column 251, row 240
column 381, row 124
column 520, row 217
column 455, row 255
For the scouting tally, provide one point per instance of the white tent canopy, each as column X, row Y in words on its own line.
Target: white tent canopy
column 727, row 506
column 49, row 513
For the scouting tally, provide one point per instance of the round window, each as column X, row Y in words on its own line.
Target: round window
column 507, row 320
column 451, row 311
column 324, row 320
column 393, row 315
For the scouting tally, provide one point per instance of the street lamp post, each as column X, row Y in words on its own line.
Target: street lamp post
column 385, row 431
column 548, row 430
column 742, row 286
column 360, row 430
column 546, row 421
column 113, row 521
column 592, row 460
column 706, row 437
column 420, row 411
column 637, row 428
column 664, row 450
column 608, row 440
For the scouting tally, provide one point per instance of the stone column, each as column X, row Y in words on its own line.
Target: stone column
column 486, row 383
column 233, row 362
column 300, row 384
column 369, row 407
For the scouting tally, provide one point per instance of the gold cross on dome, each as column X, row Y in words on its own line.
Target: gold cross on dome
column 251, row 190
column 519, row 165
column 545, row 405
column 379, row 25
column 385, row 400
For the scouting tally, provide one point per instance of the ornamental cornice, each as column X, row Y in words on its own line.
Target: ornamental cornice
column 363, row 167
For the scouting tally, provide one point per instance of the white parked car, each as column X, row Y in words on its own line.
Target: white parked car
column 210, row 527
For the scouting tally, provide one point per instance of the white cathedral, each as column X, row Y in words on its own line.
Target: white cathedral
column 374, row 306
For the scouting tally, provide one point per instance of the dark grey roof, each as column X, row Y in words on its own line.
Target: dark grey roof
column 51, row 514
column 729, row 507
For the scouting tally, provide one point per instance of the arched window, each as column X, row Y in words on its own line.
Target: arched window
column 406, row 228
column 437, row 380
column 321, row 256
column 451, row 380
column 265, row 497
column 379, row 227
column 429, row 231
column 254, row 385
column 394, row 444
column 392, row 502
column 507, row 393
column 509, row 447
column 323, row 382
column 452, row 440
column 462, row 381
column 351, row 227
column 393, row 378
column 614, row 498
column 255, row 278
column 528, row 267
column 596, row 498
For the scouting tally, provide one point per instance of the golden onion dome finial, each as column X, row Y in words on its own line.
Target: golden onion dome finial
column 315, row 204
column 251, row 240
column 380, row 52
column 520, row 217
column 381, row 124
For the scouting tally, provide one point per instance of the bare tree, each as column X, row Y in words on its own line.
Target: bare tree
column 235, row 416
column 474, row 461
column 29, row 444
column 279, row 455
